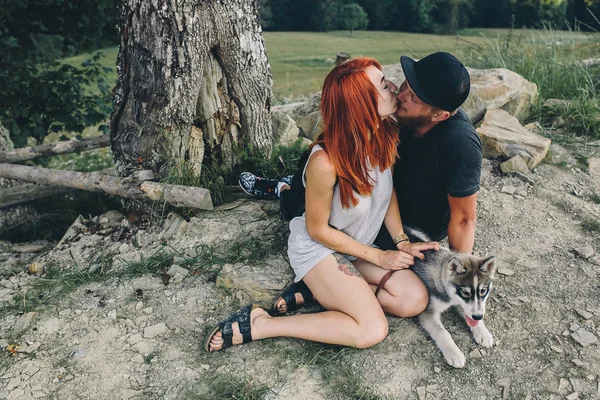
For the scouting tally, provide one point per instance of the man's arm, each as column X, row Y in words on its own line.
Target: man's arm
column 461, row 228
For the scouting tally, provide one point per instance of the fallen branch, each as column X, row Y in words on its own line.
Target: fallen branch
column 21, row 194
column 181, row 196
column 53, row 149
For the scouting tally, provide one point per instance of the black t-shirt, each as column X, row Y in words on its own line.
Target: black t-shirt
column 445, row 161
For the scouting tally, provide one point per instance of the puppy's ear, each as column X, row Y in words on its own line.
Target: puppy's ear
column 455, row 266
column 488, row 265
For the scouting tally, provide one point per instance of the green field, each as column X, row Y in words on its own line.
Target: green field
column 300, row 60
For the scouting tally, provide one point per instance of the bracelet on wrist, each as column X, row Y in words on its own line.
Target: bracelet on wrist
column 403, row 237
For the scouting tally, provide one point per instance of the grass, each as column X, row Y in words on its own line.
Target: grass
column 551, row 59
column 342, row 379
column 228, row 387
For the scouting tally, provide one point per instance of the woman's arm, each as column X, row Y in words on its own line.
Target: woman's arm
column 320, row 183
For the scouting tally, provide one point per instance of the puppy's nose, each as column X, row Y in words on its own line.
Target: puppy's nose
column 477, row 317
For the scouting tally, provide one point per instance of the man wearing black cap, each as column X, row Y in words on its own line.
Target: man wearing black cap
column 437, row 176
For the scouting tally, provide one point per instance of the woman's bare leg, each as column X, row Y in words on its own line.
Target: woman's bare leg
column 354, row 317
column 403, row 295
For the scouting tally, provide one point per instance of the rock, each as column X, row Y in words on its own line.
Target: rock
column 258, row 283
column 143, row 175
column 16, row 394
column 173, row 224
column 508, row 189
column 133, row 339
column 556, row 349
column 584, row 338
column 3, row 343
column 155, row 330
column 557, row 103
column 584, row 251
column 148, row 310
column 311, row 125
column 422, row 392
column 505, row 271
column 77, row 228
column 23, row 323
column 475, row 354
column 573, row 396
column 584, row 314
column 13, row 383
column 130, row 393
column 143, row 239
column 285, row 130
column 534, row 127
column 503, row 136
column 112, row 315
column 138, row 359
column 139, row 305
column 574, row 326
column 437, row 370
column 594, row 167
column 143, row 347
column 176, row 269
column 29, row 248
column 578, row 362
column 515, row 164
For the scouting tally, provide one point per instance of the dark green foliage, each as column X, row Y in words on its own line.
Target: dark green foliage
column 40, row 95
column 353, row 17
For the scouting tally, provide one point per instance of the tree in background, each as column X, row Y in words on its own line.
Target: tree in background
column 40, row 95
column 326, row 16
column 352, row 17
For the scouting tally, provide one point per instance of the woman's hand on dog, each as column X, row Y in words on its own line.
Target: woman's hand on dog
column 395, row 260
column 415, row 249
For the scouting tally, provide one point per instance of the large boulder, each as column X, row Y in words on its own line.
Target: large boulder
column 285, row 130
column 490, row 89
column 503, row 136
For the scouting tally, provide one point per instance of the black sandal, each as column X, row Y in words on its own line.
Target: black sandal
column 289, row 296
column 242, row 317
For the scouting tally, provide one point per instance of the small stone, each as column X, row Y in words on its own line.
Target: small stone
column 508, row 189
column 112, row 315
column 556, row 349
column 155, row 330
column 566, row 332
column 584, row 338
column 130, row 393
column 139, row 305
column 573, row 396
column 124, row 248
column 205, row 366
column 138, row 359
column 16, row 394
column 574, row 326
column 475, row 354
column 144, row 347
column 23, row 323
column 38, row 394
column 584, row 251
column 3, row 343
column 504, row 382
column 176, row 269
column 33, row 347
column 578, row 362
column 515, row 164
column 168, row 293
column 505, row 271
column 577, row 384
column 422, row 392
column 148, row 310
column 432, row 388
column 13, row 383
column 133, row 339
column 437, row 370
column 584, row 314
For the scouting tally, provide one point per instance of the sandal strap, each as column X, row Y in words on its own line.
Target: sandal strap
column 227, row 334
column 304, row 291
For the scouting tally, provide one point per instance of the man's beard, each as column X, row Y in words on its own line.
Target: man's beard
column 410, row 125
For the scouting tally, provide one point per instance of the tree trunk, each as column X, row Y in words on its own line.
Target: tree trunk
column 22, row 194
column 176, row 195
column 53, row 149
column 194, row 84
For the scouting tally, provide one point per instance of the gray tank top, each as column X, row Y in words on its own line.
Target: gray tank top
column 361, row 222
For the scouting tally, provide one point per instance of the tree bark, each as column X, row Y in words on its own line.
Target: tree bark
column 194, row 84
column 97, row 182
column 53, row 149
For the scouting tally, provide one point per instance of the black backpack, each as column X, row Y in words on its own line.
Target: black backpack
column 292, row 201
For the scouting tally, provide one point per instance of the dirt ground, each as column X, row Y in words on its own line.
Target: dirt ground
column 140, row 338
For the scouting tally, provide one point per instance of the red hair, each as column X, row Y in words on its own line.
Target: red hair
column 354, row 134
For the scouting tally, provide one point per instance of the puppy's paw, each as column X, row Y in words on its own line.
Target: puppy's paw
column 454, row 356
column 482, row 336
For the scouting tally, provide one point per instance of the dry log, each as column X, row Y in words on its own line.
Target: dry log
column 53, row 149
column 125, row 187
column 25, row 193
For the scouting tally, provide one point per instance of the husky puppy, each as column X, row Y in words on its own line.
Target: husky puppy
column 460, row 280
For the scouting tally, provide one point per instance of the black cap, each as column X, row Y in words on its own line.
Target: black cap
column 439, row 79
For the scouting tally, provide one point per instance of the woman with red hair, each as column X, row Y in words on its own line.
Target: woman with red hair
column 349, row 193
